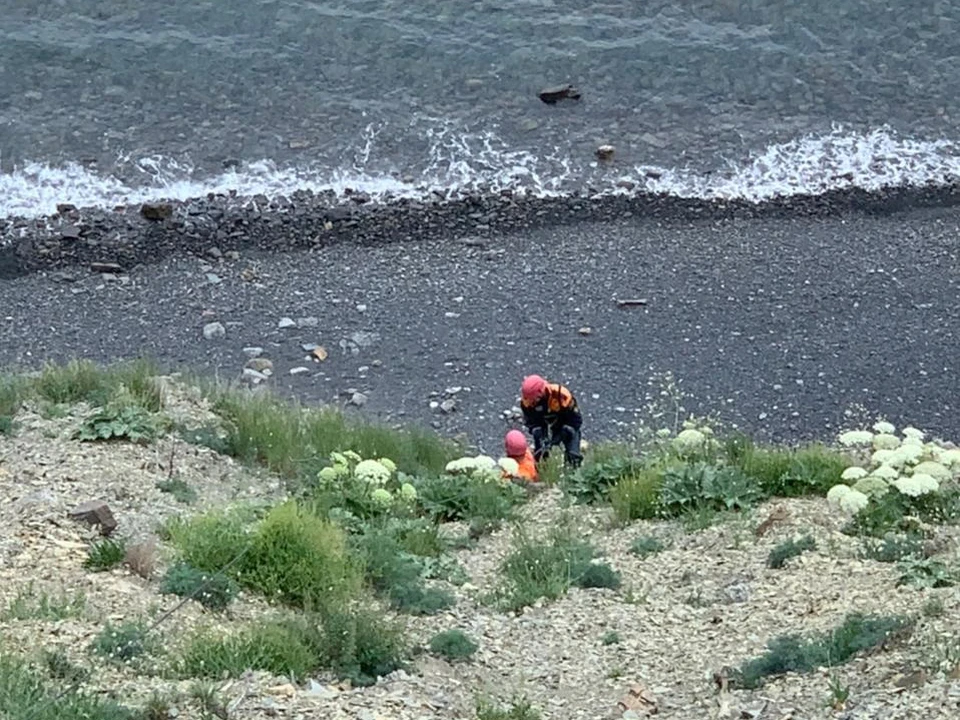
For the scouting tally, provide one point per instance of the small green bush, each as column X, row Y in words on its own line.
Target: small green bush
column 29, row 604
column 597, row 575
column 454, row 645
column 180, row 489
column 77, row 381
column 893, row 547
column 793, row 653
column 896, row 512
column 118, row 420
column 300, row 559
column 637, row 496
column 123, row 643
column 105, row 554
column 447, row 498
column 24, row 696
column 59, row 667
column 11, row 397
column 214, row 592
column 208, row 436
column 360, row 645
column 646, row 545
column 397, row 574
column 700, row 485
column 789, row 549
column 609, row 465
column 518, row 709
column 610, row 638
column 926, row 573
column 273, row 645
column 210, row 541
column 545, row 569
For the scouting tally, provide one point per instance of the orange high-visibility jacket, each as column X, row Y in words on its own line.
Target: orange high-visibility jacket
column 556, row 408
column 528, row 467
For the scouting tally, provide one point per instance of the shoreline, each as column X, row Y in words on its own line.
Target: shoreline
column 777, row 324
column 124, row 237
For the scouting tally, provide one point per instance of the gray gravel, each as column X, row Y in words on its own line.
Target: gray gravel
column 777, row 324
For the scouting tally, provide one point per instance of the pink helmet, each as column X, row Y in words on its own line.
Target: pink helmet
column 515, row 443
column 532, row 388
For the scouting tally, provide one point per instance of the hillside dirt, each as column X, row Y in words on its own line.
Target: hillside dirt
column 705, row 603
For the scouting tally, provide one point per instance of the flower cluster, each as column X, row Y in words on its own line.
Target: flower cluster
column 366, row 479
column 694, row 438
column 905, row 463
column 482, row 467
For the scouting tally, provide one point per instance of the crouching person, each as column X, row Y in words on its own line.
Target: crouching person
column 551, row 414
column 515, row 448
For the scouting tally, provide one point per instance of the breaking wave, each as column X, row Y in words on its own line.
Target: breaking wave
column 460, row 163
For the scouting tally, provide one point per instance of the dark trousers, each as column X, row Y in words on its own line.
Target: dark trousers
column 566, row 435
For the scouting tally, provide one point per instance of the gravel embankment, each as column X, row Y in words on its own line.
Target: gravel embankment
column 779, row 324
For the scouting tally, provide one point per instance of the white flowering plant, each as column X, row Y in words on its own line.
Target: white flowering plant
column 363, row 488
column 899, row 478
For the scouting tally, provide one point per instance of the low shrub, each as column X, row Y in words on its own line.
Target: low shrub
column 123, row 643
column 25, row 696
column 213, row 591
column 610, row 638
column 301, row 560
column 106, row 554
column 518, row 709
column 646, row 545
column 794, row 653
column 212, row 540
column 453, row 645
column 76, row 381
column 119, row 419
column 597, row 575
column 485, row 503
column 273, row 645
column 544, row 569
column 396, row 574
column 360, row 645
column 892, row 547
column 926, row 573
column 607, row 466
column 179, row 488
column 789, row 549
column 637, row 495
column 695, row 486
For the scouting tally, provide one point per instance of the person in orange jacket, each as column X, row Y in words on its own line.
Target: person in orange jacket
column 516, row 448
column 551, row 414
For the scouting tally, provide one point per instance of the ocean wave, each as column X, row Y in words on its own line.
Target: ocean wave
column 460, row 163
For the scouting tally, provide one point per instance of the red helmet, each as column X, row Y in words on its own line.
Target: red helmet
column 515, row 443
column 532, row 388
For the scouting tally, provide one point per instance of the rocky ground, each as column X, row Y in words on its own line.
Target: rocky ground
column 707, row 601
column 777, row 323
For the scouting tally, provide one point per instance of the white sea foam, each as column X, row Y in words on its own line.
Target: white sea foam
column 465, row 162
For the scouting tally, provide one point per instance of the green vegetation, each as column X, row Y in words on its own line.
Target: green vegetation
column 106, row 554
column 123, row 643
column 789, row 549
column 214, row 592
column 454, row 645
column 518, row 709
column 25, row 696
column 180, row 490
column 29, row 604
column 793, row 653
column 646, row 545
